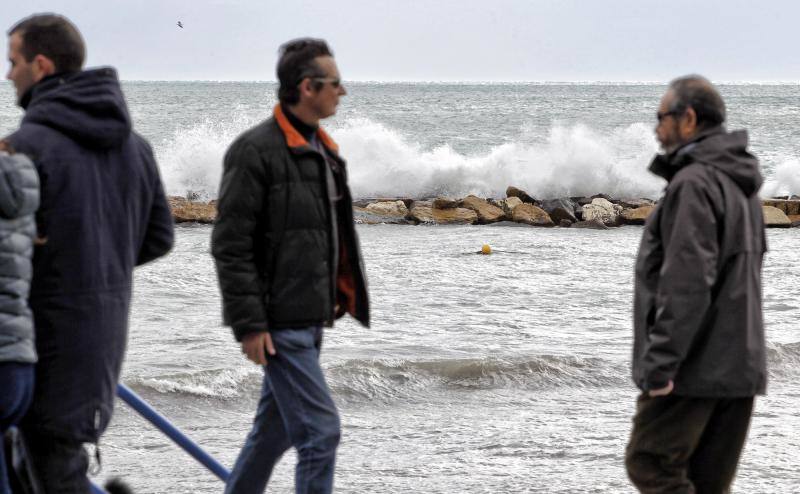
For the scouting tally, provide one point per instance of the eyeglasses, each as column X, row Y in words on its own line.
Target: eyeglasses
column 660, row 116
column 334, row 82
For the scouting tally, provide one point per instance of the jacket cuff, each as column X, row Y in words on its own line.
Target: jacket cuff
column 654, row 382
column 239, row 332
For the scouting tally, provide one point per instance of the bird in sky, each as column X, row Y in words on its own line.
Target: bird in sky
column 180, row 25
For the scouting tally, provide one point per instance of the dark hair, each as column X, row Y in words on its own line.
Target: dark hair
column 53, row 36
column 698, row 93
column 296, row 62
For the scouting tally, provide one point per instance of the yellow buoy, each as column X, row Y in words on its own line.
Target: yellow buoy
column 486, row 250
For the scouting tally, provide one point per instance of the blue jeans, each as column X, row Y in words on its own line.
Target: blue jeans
column 296, row 409
column 16, row 383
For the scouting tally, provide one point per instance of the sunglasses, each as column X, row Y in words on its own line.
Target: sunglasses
column 661, row 116
column 335, row 83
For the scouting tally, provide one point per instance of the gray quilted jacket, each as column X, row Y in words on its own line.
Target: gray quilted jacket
column 19, row 198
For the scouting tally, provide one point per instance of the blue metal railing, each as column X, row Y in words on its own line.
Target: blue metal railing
column 145, row 410
column 134, row 401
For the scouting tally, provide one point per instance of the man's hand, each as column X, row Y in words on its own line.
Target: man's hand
column 254, row 345
column 662, row 391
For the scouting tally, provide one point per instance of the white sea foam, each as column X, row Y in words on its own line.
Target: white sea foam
column 785, row 180
column 221, row 383
column 191, row 159
column 575, row 160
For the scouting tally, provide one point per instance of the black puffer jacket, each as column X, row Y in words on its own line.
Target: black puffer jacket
column 271, row 239
column 103, row 211
column 19, row 198
column 697, row 307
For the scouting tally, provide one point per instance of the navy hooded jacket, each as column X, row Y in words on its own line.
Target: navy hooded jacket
column 103, row 211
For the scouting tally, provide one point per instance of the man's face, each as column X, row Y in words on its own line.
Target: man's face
column 325, row 100
column 668, row 126
column 21, row 72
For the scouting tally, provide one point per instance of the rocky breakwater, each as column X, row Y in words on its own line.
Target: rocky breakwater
column 600, row 211
column 188, row 211
column 782, row 212
column 518, row 207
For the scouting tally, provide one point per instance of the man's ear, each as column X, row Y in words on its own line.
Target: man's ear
column 305, row 87
column 42, row 67
column 689, row 122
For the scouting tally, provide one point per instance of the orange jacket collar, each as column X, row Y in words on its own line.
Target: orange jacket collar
column 294, row 139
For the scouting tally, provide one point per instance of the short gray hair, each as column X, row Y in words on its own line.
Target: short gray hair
column 697, row 92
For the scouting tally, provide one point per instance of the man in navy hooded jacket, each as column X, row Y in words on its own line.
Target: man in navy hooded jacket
column 103, row 211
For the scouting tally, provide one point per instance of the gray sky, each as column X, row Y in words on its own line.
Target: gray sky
column 441, row 40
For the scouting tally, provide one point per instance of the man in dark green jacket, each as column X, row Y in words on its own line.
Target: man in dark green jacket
column 288, row 263
column 699, row 351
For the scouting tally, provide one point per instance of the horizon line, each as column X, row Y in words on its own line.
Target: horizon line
column 775, row 82
column 765, row 82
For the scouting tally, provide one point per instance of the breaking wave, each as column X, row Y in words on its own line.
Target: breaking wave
column 217, row 383
column 784, row 359
column 785, row 181
column 384, row 379
column 391, row 379
column 575, row 160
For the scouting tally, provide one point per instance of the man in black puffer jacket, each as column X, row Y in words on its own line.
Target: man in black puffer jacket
column 103, row 211
column 288, row 263
column 19, row 198
column 699, row 354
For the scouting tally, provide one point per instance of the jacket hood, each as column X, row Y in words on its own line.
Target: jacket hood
column 87, row 106
column 717, row 148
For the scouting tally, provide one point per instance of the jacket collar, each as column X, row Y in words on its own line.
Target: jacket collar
column 667, row 165
column 294, row 139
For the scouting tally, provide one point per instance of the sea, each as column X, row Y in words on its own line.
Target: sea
column 480, row 374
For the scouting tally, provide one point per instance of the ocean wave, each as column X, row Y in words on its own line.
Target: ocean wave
column 386, row 379
column 575, row 160
column 391, row 379
column 191, row 160
column 784, row 359
column 216, row 383
column 784, row 181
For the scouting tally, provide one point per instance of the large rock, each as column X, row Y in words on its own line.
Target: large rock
column 582, row 201
column 560, row 209
column 424, row 212
column 531, row 215
column 186, row 211
column 364, row 216
column 396, row 209
column 635, row 216
column 790, row 207
column 366, row 201
column 485, row 211
column 795, row 219
column 630, row 203
column 523, row 196
column 591, row 225
column 602, row 210
column 445, row 203
column 507, row 205
column 775, row 218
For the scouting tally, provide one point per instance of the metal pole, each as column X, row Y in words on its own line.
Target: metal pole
column 162, row 424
